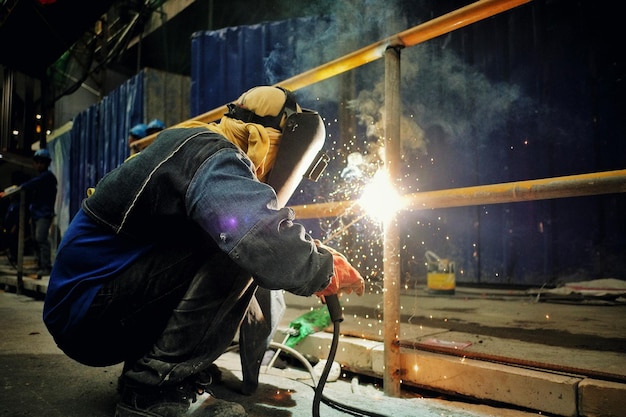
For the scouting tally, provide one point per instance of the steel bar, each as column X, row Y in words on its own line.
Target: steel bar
column 391, row 257
column 607, row 182
column 441, row 25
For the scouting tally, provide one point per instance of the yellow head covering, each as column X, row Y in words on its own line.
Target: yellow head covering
column 260, row 143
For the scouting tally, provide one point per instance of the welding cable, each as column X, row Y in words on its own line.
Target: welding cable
column 357, row 412
column 319, row 388
column 336, row 316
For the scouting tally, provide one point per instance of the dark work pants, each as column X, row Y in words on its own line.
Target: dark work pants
column 264, row 315
column 169, row 316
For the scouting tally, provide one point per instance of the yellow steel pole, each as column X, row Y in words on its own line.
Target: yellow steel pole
column 391, row 256
column 607, row 182
column 439, row 26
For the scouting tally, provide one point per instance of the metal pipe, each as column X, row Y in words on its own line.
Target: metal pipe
column 607, row 182
column 20, row 243
column 557, row 187
column 439, row 26
column 391, row 255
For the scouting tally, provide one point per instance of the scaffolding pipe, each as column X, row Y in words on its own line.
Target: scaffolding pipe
column 607, row 182
column 20, row 243
column 429, row 30
column 391, row 254
column 441, row 25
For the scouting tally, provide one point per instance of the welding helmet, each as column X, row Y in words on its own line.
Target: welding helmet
column 300, row 154
column 303, row 134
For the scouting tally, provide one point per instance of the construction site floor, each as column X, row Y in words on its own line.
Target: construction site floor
column 474, row 353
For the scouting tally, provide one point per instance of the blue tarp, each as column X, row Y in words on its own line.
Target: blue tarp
column 99, row 137
column 59, row 149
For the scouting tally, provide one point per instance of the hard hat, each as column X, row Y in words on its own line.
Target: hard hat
column 138, row 131
column 42, row 153
column 155, row 125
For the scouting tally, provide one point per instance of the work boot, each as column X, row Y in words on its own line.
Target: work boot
column 210, row 376
column 183, row 400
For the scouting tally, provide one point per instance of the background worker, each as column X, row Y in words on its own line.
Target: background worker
column 137, row 132
column 41, row 193
column 161, row 264
column 154, row 126
column 10, row 228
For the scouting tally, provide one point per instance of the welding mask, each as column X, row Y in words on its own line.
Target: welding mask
column 300, row 153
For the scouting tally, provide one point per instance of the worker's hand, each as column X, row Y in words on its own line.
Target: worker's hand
column 1, row 194
column 345, row 279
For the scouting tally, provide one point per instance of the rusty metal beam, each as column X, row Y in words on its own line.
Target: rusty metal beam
column 391, row 259
column 607, row 182
column 441, row 25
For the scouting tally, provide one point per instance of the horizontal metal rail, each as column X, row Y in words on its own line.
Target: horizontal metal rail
column 607, row 182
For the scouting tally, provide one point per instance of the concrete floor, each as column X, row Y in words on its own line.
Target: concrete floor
column 557, row 358
column 475, row 353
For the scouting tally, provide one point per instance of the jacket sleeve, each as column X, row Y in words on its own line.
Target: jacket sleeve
column 239, row 213
column 46, row 179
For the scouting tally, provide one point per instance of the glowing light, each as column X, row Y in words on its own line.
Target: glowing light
column 379, row 199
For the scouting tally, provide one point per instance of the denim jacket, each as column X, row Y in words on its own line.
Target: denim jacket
column 193, row 184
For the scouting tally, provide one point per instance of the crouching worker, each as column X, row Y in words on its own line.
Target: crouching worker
column 159, row 267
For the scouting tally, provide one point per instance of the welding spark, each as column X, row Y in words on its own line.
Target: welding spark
column 379, row 199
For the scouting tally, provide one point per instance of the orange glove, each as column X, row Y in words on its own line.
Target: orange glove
column 345, row 278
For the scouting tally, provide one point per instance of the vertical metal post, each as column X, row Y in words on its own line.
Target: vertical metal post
column 6, row 109
column 391, row 260
column 20, row 243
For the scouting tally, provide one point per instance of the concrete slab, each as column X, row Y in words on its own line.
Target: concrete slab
column 522, row 387
column 601, row 398
column 289, row 393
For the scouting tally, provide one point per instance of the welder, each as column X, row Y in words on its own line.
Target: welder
column 161, row 264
